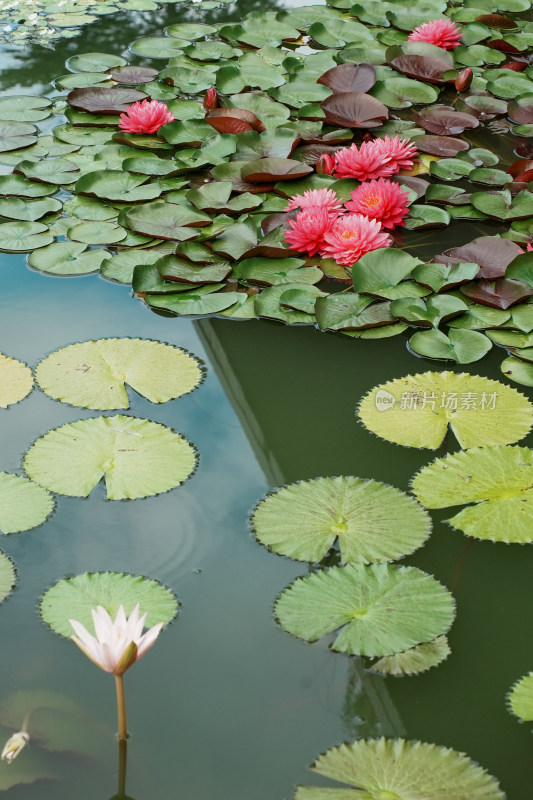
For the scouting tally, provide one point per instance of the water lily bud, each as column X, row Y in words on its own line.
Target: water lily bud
column 464, row 80
column 325, row 164
column 14, row 745
column 211, row 99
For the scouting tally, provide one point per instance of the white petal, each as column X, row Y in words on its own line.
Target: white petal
column 82, row 633
column 91, row 652
column 103, row 624
column 146, row 641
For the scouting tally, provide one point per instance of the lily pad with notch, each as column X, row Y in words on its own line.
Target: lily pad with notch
column 413, row 411
column 378, row 610
column 371, row 522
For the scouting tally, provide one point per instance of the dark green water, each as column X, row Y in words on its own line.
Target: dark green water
column 227, row 706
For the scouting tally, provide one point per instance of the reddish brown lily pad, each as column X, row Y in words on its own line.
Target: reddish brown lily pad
column 101, row 100
column 496, row 21
column 233, row 120
column 491, row 253
column 442, row 146
column 134, row 74
column 521, row 111
column 262, row 170
column 354, row 110
column 503, row 46
column 349, row 78
column 444, row 122
column 501, row 293
column 423, row 68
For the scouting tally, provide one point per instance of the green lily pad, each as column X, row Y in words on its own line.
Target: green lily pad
column 417, row 410
column 28, row 210
column 93, row 374
column 404, row 92
column 427, row 313
column 416, row 660
column 96, row 233
column 20, row 237
column 16, row 381
column 201, row 300
column 520, row 698
column 380, row 609
column 463, row 346
column 518, row 370
column 67, row 258
column 165, row 220
column 121, row 266
column 95, row 62
column 24, row 108
column 372, row 521
column 7, row 576
column 273, row 271
column 14, row 135
column 117, row 185
column 380, row 271
column 74, row 598
column 23, row 504
column 137, row 458
column 502, row 205
column 497, row 480
column 18, row 186
column 395, row 769
column 351, row 312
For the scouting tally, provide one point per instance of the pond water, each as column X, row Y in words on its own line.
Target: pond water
column 228, row 706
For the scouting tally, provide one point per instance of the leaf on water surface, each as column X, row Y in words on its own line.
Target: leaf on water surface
column 417, row 410
column 396, row 769
column 136, row 457
column 67, row 258
column 16, row 381
column 102, row 100
column 371, row 521
column 74, row 598
column 8, row 576
column 462, row 346
column 520, row 698
column 497, row 480
column 23, row 504
column 93, row 374
column 415, row 660
column 378, row 610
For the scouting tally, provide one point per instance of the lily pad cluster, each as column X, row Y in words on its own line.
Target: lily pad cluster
column 45, row 21
column 486, row 417
column 399, row 615
column 135, row 457
column 194, row 216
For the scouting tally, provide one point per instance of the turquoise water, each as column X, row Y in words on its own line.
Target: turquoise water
column 226, row 705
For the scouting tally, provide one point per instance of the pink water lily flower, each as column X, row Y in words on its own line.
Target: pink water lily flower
column 315, row 198
column 440, row 32
column 145, row 117
column 363, row 164
column 119, row 643
column 398, row 152
column 308, row 229
column 382, row 200
column 351, row 236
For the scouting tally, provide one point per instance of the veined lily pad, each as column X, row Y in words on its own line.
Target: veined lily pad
column 400, row 770
column 462, row 346
column 117, row 185
column 372, row 521
column 380, row 272
column 16, row 381
column 165, row 220
column 23, row 504
column 415, row 660
column 66, row 258
column 137, row 458
column 20, row 237
column 497, row 480
column 74, row 598
column 417, row 410
column 380, row 609
column 93, row 374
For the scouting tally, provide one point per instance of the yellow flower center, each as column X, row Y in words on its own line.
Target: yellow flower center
column 372, row 200
column 348, row 235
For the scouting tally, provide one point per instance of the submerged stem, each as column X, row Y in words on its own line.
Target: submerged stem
column 122, row 760
column 121, row 707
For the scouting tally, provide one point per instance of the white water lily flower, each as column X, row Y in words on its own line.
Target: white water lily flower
column 14, row 745
column 119, row 644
